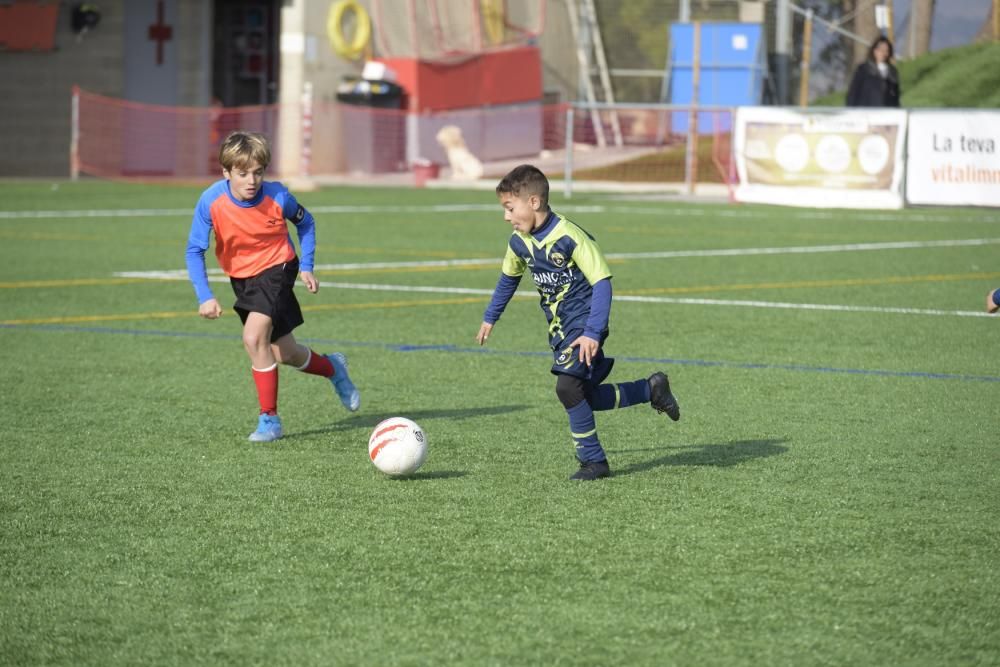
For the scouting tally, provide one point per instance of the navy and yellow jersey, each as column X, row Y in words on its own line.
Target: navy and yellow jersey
column 565, row 263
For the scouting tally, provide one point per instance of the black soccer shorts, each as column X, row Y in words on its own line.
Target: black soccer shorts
column 270, row 293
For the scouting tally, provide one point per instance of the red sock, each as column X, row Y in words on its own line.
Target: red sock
column 267, row 389
column 317, row 365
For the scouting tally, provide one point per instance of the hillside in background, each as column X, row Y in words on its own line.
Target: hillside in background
column 964, row 77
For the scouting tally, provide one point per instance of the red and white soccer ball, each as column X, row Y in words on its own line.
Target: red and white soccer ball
column 397, row 446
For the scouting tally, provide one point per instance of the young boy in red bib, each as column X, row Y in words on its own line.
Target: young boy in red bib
column 254, row 248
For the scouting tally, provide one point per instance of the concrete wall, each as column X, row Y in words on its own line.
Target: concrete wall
column 35, row 92
column 35, row 88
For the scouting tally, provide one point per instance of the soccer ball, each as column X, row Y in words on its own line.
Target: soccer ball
column 397, row 446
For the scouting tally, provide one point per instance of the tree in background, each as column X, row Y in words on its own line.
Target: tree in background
column 839, row 55
column 986, row 32
column 921, row 23
column 861, row 24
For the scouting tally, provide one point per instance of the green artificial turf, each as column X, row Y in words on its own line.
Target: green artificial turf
column 829, row 497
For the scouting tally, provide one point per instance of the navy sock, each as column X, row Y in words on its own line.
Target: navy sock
column 612, row 396
column 584, row 432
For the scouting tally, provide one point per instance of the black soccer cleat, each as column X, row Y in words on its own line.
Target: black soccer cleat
column 592, row 470
column 660, row 397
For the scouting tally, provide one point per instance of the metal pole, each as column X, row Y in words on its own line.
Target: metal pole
column 783, row 48
column 831, row 26
column 685, row 14
column 583, row 60
column 568, row 169
column 74, row 138
column 602, row 68
column 291, row 74
column 889, row 31
column 691, row 176
column 305, row 167
column 806, row 57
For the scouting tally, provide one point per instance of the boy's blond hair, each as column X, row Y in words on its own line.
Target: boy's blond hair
column 241, row 148
column 523, row 181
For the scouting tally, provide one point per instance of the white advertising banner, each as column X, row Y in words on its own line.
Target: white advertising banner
column 953, row 158
column 825, row 159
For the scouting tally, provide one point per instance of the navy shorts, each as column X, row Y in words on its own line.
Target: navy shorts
column 566, row 361
column 270, row 293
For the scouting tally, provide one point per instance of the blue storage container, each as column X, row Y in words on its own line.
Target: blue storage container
column 732, row 71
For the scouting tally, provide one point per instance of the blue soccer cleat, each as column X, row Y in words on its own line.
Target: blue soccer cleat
column 346, row 391
column 268, row 429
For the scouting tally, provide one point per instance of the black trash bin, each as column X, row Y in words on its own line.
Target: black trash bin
column 374, row 125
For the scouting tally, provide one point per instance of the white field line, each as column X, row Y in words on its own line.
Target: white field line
column 528, row 294
column 97, row 213
column 216, row 275
column 804, row 306
column 667, row 210
column 665, row 254
column 795, row 250
column 188, row 212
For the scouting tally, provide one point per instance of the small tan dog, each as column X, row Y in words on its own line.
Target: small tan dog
column 464, row 165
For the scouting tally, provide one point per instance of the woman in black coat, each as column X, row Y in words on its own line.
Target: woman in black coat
column 876, row 81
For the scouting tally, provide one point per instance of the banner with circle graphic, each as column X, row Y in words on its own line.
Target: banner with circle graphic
column 953, row 158
column 851, row 158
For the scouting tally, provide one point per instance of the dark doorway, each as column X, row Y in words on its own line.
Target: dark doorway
column 245, row 58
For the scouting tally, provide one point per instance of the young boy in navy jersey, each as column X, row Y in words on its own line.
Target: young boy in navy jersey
column 255, row 249
column 993, row 301
column 574, row 282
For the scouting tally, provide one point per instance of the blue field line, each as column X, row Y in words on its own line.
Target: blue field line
column 403, row 347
